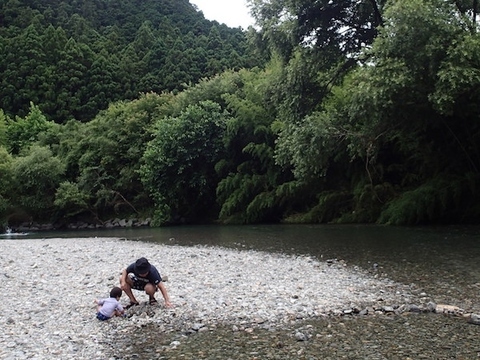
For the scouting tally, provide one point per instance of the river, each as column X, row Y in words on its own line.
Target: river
column 442, row 261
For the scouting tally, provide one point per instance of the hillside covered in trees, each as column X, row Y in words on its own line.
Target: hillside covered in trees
column 73, row 58
column 346, row 111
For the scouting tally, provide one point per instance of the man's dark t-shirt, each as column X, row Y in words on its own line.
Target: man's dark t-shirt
column 153, row 276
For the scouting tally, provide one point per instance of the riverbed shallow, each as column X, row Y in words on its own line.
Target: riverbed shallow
column 408, row 336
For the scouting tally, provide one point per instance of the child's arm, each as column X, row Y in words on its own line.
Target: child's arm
column 120, row 309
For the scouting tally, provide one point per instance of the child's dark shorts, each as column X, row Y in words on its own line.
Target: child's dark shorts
column 102, row 317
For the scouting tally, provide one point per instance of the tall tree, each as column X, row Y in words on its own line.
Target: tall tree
column 108, row 155
column 179, row 163
column 382, row 122
column 332, row 27
column 21, row 133
column 7, row 184
column 250, row 187
column 3, row 129
column 37, row 174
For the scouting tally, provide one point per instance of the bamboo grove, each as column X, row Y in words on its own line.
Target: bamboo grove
column 346, row 111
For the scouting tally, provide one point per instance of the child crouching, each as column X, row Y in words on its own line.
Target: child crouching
column 109, row 307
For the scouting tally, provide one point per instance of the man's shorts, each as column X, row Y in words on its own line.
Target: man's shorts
column 102, row 317
column 137, row 284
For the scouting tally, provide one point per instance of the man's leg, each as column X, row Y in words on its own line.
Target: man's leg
column 150, row 289
column 127, row 288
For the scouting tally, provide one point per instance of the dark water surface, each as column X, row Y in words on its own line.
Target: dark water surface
column 444, row 262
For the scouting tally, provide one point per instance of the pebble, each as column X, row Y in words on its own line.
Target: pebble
column 50, row 285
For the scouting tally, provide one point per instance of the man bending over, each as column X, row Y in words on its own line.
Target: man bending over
column 143, row 276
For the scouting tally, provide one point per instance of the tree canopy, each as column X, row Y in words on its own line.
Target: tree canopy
column 73, row 58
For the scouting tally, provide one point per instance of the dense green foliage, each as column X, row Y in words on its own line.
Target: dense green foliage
column 73, row 58
column 382, row 125
column 103, row 158
column 366, row 111
column 179, row 163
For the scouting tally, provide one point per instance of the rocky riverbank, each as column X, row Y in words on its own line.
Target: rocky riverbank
column 27, row 227
column 50, row 285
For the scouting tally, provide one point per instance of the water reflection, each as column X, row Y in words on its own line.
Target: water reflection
column 355, row 243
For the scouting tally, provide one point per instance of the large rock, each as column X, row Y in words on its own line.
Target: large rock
column 449, row 310
column 474, row 319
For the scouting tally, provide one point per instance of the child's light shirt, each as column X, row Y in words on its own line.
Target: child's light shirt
column 109, row 305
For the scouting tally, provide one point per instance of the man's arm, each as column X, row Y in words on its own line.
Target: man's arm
column 126, row 285
column 164, row 292
column 123, row 278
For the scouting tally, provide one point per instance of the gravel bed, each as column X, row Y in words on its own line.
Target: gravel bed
column 406, row 336
column 226, row 302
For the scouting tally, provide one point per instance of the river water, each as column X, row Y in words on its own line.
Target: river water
column 442, row 261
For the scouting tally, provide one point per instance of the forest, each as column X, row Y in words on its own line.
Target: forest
column 324, row 112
